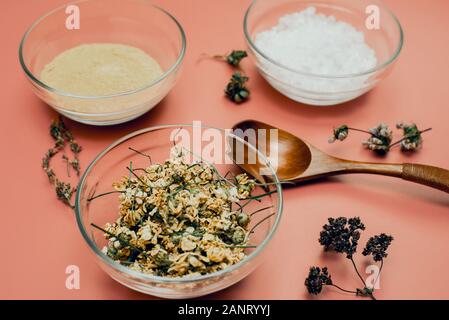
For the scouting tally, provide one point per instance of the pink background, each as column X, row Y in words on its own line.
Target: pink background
column 40, row 237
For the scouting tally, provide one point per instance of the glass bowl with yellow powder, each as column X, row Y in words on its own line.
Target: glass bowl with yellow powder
column 103, row 62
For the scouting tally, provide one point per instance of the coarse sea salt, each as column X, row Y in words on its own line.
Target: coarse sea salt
column 316, row 44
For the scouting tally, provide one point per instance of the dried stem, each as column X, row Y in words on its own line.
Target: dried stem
column 341, row 289
column 274, row 183
column 142, row 154
column 260, row 210
column 409, row 136
column 360, row 130
column 260, row 222
column 262, row 195
column 243, row 247
column 137, row 177
column 357, row 271
column 104, row 194
column 378, row 275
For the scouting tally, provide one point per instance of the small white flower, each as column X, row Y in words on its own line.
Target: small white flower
column 187, row 244
column 145, row 233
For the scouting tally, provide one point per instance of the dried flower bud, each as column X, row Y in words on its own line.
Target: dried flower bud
column 162, row 259
column 187, row 245
column 75, row 147
column 340, row 133
column 238, row 236
column 236, row 89
column 235, row 57
column 243, row 219
column 412, row 140
column 380, row 141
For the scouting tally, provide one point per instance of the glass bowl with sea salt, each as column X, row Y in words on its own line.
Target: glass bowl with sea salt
column 323, row 52
column 103, row 62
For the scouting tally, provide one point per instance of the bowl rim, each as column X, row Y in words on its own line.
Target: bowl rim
column 142, row 276
column 385, row 64
column 34, row 79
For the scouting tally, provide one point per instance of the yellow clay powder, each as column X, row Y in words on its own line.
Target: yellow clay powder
column 101, row 69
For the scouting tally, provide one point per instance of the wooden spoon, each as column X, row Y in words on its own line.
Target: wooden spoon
column 299, row 161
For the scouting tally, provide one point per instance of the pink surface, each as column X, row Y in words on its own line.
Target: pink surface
column 40, row 237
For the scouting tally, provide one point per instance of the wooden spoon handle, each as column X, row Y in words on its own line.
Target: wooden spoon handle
column 434, row 177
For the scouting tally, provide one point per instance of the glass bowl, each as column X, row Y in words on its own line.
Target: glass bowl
column 316, row 89
column 130, row 22
column 110, row 166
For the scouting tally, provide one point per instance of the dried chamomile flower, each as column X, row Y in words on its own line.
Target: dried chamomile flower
column 316, row 279
column 412, row 140
column 236, row 89
column 341, row 235
column 377, row 246
column 380, row 140
column 340, row 133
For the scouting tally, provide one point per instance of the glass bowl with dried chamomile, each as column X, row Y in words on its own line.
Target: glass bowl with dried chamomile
column 168, row 212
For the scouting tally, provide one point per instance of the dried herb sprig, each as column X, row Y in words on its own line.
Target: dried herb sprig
column 62, row 136
column 381, row 137
column 236, row 89
column 234, row 58
column 342, row 235
column 318, row 278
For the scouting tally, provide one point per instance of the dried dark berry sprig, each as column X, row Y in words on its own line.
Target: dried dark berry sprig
column 377, row 247
column 320, row 277
column 316, row 279
column 381, row 137
column 62, row 136
column 342, row 235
